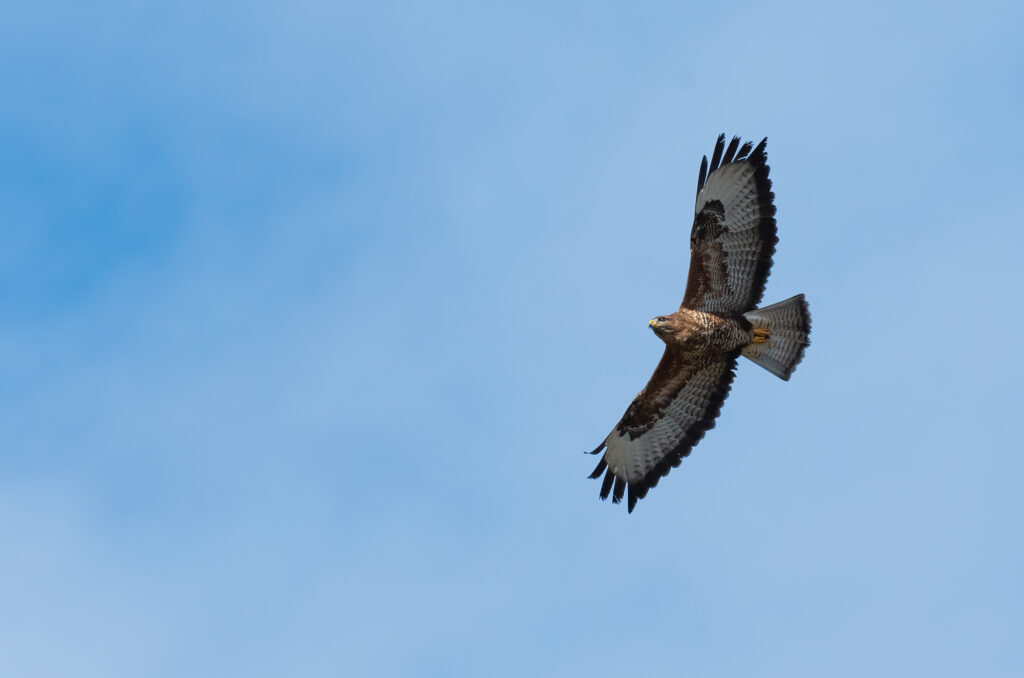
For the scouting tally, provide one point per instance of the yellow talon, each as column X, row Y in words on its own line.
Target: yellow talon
column 761, row 335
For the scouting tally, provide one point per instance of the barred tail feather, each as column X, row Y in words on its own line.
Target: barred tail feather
column 789, row 325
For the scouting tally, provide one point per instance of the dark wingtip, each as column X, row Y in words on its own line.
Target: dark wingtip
column 601, row 466
column 620, row 489
column 723, row 156
column 716, row 157
column 730, row 152
column 606, row 486
column 703, row 174
column 597, row 449
column 744, row 151
column 759, row 155
column 633, row 498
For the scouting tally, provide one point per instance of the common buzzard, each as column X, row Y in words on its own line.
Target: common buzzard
column 731, row 247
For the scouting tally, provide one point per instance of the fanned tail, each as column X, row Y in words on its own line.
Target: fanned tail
column 781, row 333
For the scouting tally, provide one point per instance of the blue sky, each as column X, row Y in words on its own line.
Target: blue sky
column 309, row 310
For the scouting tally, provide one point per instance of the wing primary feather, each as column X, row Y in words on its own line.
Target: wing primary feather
column 606, row 486
column 620, row 489
column 744, row 151
column 703, row 174
column 759, row 157
column 716, row 157
column 730, row 152
column 599, row 448
column 601, row 466
column 632, row 498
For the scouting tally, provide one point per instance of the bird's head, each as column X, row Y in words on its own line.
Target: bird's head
column 661, row 325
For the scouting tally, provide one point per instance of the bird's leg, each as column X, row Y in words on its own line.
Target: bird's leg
column 761, row 335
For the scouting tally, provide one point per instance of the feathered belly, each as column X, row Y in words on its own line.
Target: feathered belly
column 709, row 335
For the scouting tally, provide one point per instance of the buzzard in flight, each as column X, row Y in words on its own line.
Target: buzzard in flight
column 731, row 247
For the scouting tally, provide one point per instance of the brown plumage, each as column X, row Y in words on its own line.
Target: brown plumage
column 731, row 246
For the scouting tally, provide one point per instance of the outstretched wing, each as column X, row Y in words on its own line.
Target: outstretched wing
column 734, row 235
column 662, row 424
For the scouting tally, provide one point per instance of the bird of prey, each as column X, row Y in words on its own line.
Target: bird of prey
column 731, row 247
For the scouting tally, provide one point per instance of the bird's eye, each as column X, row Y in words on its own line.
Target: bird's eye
column 660, row 319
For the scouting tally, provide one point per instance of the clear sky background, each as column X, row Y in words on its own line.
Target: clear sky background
column 308, row 310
